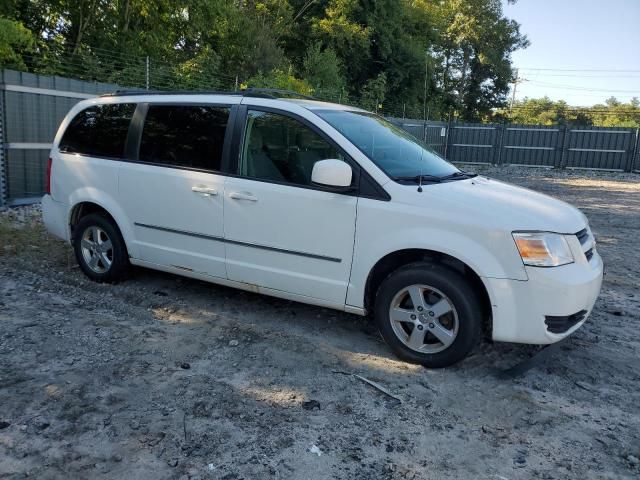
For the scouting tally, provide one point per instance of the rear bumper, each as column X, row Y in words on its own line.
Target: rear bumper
column 520, row 308
column 55, row 216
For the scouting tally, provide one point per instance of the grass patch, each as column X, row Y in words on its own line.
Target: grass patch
column 29, row 241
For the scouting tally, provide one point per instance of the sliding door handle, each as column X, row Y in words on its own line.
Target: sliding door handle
column 204, row 190
column 243, row 196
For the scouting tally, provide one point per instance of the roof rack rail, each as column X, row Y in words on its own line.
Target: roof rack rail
column 123, row 93
column 248, row 92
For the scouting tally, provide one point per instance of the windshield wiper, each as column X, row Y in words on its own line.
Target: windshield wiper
column 420, row 178
column 460, row 174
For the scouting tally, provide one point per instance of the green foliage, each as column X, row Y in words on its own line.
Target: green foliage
column 371, row 52
column 322, row 69
column 616, row 114
column 476, row 54
column 15, row 40
column 373, row 92
column 280, row 79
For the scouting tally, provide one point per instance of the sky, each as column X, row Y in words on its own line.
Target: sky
column 582, row 51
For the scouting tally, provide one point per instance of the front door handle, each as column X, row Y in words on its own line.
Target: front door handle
column 243, row 196
column 205, row 190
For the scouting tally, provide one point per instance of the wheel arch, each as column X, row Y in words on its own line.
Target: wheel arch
column 386, row 265
column 82, row 209
column 89, row 201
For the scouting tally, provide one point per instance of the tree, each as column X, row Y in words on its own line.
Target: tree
column 374, row 92
column 476, row 53
column 616, row 114
column 339, row 29
column 544, row 111
column 323, row 70
column 284, row 80
column 363, row 50
column 15, row 41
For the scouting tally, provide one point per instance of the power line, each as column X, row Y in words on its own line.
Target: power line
column 577, row 87
column 576, row 112
column 573, row 75
column 579, row 70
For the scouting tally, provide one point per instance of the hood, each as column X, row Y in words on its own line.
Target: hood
column 501, row 205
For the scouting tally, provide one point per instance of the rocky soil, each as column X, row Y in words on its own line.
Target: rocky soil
column 165, row 377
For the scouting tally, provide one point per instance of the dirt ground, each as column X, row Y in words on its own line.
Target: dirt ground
column 166, row 377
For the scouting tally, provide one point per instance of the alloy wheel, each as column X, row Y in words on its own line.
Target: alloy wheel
column 424, row 319
column 97, row 249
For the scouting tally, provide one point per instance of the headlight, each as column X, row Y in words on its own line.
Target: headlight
column 542, row 249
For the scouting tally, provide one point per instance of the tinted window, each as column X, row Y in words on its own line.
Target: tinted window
column 390, row 147
column 184, row 135
column 282, row 149
column 100, row 131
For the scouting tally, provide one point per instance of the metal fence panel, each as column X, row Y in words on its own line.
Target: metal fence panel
column 34, row 106
column 635, row 164
column 436, row 136
column 556, row 146
column 3, row 172
column 432, row 133
column 417, row 130
column 532, row 145
column 472, row 143
column 600, row 147
column 25, row 171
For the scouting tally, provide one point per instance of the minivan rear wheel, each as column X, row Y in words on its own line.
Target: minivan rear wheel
column 428, row 314
column 100, row 249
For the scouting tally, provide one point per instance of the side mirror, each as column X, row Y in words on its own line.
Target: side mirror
column 335, row 174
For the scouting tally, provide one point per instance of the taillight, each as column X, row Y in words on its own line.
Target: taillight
column 48, row 180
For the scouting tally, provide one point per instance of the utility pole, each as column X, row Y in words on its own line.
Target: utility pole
column 516, row 81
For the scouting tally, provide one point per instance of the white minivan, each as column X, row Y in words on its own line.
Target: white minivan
column 323, row 204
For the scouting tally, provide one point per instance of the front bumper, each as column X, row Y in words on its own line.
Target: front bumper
column 55, row 216
column 520, row 307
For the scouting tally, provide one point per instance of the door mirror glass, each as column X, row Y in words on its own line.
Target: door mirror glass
column 332, row 173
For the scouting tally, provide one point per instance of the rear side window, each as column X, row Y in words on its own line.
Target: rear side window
column 99, row 131
column 184, row 136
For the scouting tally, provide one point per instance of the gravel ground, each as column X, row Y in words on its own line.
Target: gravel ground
column 166, row 377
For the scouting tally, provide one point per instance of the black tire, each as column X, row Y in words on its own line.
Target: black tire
column 104, row 272
column 455, row 289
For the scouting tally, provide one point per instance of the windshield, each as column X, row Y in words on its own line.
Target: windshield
column 399, row 154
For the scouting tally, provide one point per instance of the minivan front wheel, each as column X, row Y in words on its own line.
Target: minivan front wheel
column 100, row 249
column 428, row 314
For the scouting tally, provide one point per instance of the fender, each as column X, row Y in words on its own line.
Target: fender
column 106, row 201
column 474, row 254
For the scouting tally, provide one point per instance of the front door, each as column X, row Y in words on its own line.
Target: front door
column 173, row 195
column 281, row 231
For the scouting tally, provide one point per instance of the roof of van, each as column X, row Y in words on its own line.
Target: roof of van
column 304, row 101
column 320, row 105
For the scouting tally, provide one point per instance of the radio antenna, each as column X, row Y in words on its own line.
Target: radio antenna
column 421, row 156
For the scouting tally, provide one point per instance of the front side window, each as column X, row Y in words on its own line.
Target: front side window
column 99, row 131
column 282, row 149
column 399, row 154
column 189, row 136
